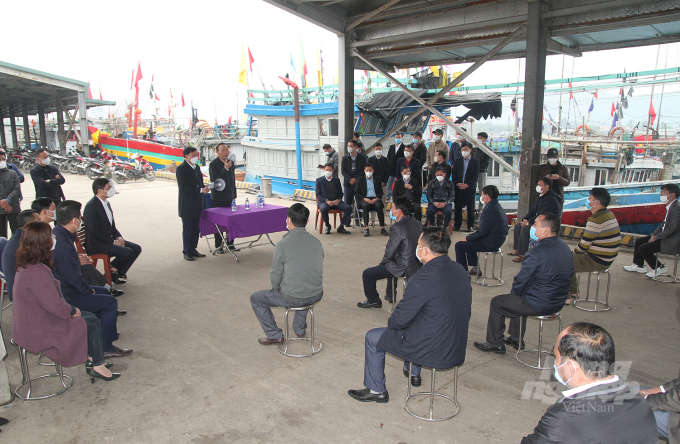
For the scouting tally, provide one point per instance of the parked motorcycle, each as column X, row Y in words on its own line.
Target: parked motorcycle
column 122, row 171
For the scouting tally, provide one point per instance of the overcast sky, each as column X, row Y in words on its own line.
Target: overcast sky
column 195, row 49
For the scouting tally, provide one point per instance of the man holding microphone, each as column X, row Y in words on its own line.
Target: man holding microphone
column 222, row 167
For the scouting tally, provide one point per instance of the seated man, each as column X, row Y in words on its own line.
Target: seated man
column 329, row 197
column 492, row 232
column 665, row 239
column 101, row 234
column 409, row 187
column 599, row 407
column 548, row 202
column 440, row 195
column 9, row 254
column 296, row 276
column 600, row 242
column 665, row 400
column 46, row 209
column 399, row 258
column 540, row 288
column 381, row 169
column 410, row 161
column 440, row 161
column 369, row 192
column 429, row 326
column 75, row 290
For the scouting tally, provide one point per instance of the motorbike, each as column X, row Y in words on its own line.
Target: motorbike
column 95, row 169
column 123, row 171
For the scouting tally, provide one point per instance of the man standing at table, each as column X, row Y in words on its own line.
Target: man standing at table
column 223, row 168
column 190, row 201
column 296, row 276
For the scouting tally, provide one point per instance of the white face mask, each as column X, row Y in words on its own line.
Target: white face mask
column 406, row 176
column 407, row 154
column 369, row 174
column 350, row 150
column 460, row 138
column 3, row 164
column 440, row 178
column 378, row 153
column 80, row 224
column 51, row 216
column 421, row 258
column 437, row 138
column 288, row 224
column 664, row 199
column 45, row 161
column 552, row 161
column 481, row 200
column 54, row 242
column 539, row 189
column 436, row 159
column 194, row 160
column 328, row 173
column 465, row 154
column 110, row 193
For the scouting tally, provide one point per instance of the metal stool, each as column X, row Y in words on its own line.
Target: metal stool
column 283, row 347
column 665, row 278
column 27, row 379
column 432, row 394
column 538, row 350
column 597, row 304
column 395, row 283
column 480, row 279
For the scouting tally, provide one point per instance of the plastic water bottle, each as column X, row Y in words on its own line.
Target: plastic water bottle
column 247, row 204
column 233, row 205
column 262, row 201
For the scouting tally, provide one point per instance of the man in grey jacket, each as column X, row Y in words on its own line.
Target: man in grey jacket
column 665, row 401
column 296, row 276
column 9, row 197
column 399, row 258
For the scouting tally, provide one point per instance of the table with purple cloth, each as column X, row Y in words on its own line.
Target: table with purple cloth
column 243, row 223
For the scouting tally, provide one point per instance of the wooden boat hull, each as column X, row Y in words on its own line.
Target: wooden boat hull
column 155, row 153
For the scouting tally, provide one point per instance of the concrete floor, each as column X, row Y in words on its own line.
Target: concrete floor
column 198, row 374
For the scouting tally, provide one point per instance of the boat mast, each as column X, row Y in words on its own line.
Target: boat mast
column 559, row 117
column 651, row 98
column 663, row 86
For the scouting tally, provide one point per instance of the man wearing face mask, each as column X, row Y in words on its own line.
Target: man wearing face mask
column 394, row 153
column 420, row 153
column 101, row 234
column 410, row 161
column 46, row 209
column 329, row 197
column 464, row 176
column 190, row 201
column 558, row 173
column 429, row 326
column 440, row 162
column 548, row 202
column 221, row 167
column 437, row 145
column 540, row 288
column 598, row 407
column 484, row 160
column 10, row 190
column 353, row 165
column 408, row 186
column 296, row 277
column 440, row 195
column 381, row 169
column 331, row 157
column 47, row 178
column 16, row 169
column 454, row 152
column 369, row 192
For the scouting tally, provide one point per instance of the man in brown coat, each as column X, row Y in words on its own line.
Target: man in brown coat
column 556, row 171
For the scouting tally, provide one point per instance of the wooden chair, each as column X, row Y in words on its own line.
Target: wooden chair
column 335, row 218
column 80, row 242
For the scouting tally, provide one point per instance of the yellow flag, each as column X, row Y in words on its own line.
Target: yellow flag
column 435, row 70
column 242, row 75
column 456, row 74
column 318, row 73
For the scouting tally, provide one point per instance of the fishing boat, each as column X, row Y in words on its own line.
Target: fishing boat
column 156, row 154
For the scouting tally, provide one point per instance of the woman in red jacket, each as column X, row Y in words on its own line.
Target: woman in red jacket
column 42, row 320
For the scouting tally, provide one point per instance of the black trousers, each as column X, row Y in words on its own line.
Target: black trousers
column 190, row 233
column 371, row 276
column 124, row 256
column 507, row 306
column 223, row 204
column 464, row 198
column 378, row 207
column 644, row 251
column 12, row 219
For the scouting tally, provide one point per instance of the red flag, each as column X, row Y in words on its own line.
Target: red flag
column 251, row 60
column 170, row 93
column 229, row 122
column 139, row 74
column 652, row 113
column 595, row 94
column 89, row 91
column 571, row 94
column 168, row 110
column 155, row 97
column 182, row 99
column 132, row 80
column 613, row 109
column 100, row 95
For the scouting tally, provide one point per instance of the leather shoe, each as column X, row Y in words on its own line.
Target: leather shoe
column 388, row 298
column 365, row 395
column 118, row 352
column 197, row 254
column 219, row 251
column 117, row 278
column 300, row 336
column 366, row 232
column 121, row 312
column 473, row 272
column 116, row 292
column 384, row 232
column 415, row 380
column 188, row 257
column 327, row 230
column 342, row 230
column 367, row 304
column 456, row 228
column 232, row 247
column 486, row 347
column 514, row 344
column 267, row 341
column 470, row 229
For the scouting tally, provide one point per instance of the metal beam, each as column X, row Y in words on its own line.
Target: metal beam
column 371, row 14
column 61, row 136
column 358, row 64
column 345, row 96
column 27, row 128
column 13, row 126
column 3, row 141
column 458, row 61
column 557, row 47
column 82, row 120
column 41, row 124
column 314, row 14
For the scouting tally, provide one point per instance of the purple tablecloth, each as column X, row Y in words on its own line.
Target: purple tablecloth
column 244, row 223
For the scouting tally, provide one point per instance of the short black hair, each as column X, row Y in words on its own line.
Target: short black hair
column 359, row 144
column 442, row 154
column 327, row 146
column 377, row 144
column 369, row 165
column 602, row 195
column 398, row 133
column 440, row 168
column 546, row 181
column 40, row 150
column 437, row 239
column 68, row 210
column 483, row 135
column 551, row 220
column 466, row 144
column 418, row 134
column 353, row 142
column 188, row 150
column 99, row 184
column 357, row 134
column 41, row 203
column 330, row 164
column 672, row 188
column 298, row 214
column 405, row 167
column 410, row 146
column 439, row 131
column 591, row 346
column 491, row 191
column 217, row 147
column 403, row 204
column 26, row 217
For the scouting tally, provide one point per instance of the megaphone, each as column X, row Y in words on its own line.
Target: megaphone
column 218, row 185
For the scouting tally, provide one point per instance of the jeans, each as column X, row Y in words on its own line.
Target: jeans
column 262, row 300
column 374, row 362
column 105, row 307
column 390, row 183
column 95, row 348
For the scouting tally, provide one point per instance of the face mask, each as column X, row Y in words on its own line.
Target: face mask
column 350, row 150
column 465, row 154
column 369, row 175
column 407, row 154
column 3, row 164
column 664, row 199
column 45, row 161
column 378, row 153
column 194, row 160
column 591, row 203
column 80, row 224
column 406, row 176
column 420, row 258
column 287, row 223
column 51, row 216
column 54, row 243
column 327, row 153
column 328, row 173
column 481, row 200
column 436, row 158
column 460, row 138
column 437, row 138
column 397, row 141
column 533, row 233
column 440, row 178
column 539, row 189
column 415, row 141
column 552, row 161
column 558, row 377
column 110, row 193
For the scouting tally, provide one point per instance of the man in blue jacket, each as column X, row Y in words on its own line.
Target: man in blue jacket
column 493, row 229
column 540, row 288
column 429, row 327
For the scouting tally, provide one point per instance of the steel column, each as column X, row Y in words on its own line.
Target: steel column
column 3, row 141
column 41, row 124
column 84, row 134
column 534, row 82
column 61, row 135
column 345, row 95
column 27, row 128
column 13, row 126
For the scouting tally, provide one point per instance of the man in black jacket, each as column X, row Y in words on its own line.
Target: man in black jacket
column 47, row 178
column 223, row 168
column 493, row 229
column 599, row 407
column 665, row 401
column 484, row 161
column 101, row 234
column 464, row 176
column 420, row 153
column 10, row 197
column 408, row 186
column 440, row 195
column 410, row 161
column 540, row 288
column 190, row 201
column 369, row 193
column 429, row 326
column 381, row 169
column 352, row 167
column 439, row 161
column 394, row 153
column 399, row 258
column 329, row 197
column 548, row 202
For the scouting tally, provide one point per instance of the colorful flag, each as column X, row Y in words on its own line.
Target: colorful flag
column 630, row 92
column 242, row 74
column 155, row 97
column 652, row 113
column 291, row 62
column 132, row 80
column 89, row 91
column 251, row 60
column 595, row 94
column 571, row 94
column 613, row 109
column 624, row 101
column 303, row 64
column 152, row 75
column 592, row 106
column 616, row 118
column 139, row 74
column 319, row 73
column 170, row 93
column 435, row 70
column 182, row 100
column 100, row 95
